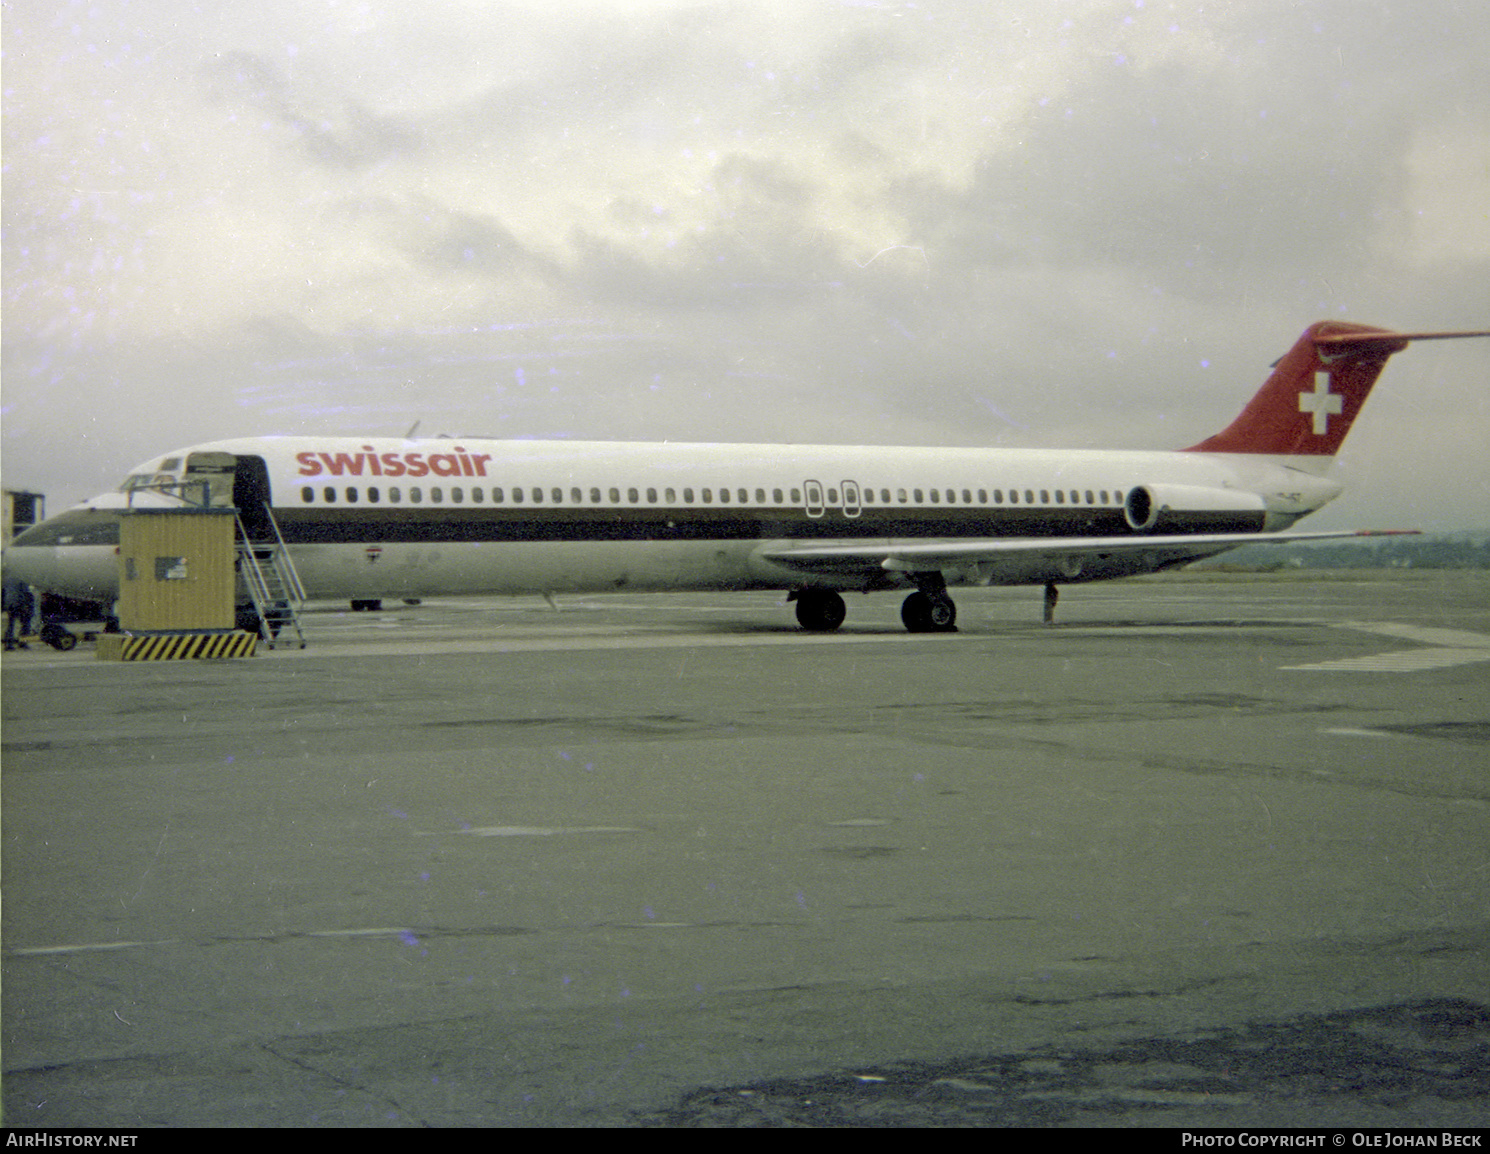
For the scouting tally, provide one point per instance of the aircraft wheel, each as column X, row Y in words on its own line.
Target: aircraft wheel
column 943, row 615
column 924, row 614
column 820, row 610
column 58, row 638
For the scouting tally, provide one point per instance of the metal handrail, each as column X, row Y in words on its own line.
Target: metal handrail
column 264, row 597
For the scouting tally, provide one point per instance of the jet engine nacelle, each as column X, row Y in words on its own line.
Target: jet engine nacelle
column 1193, row 508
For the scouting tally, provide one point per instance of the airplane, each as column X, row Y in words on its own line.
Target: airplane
column 365, row 518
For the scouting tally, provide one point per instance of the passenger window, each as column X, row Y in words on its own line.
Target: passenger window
column 633, row 496
column 330, row 495
column 457, row 494
column 594, row 496
column 723, row 496
column 1060, row 497
column 395, row 494
column 760, row 496
column 670, row 496
column 577, row 496
column 497, row 496
column 744, row 496
column 936, row 496
column 900, row 493
column 1013, row 496
column 777, row 496
column 307, row 494
column 708, row 495
column 1044, row 496
column 796, row 496
column 998, row 496
column 1089, row 500
column 651, row 496
column 615, row 496
column 917, row 494
column 832, row 496
column 437, row 494
column 416, row 495
column 1029, row 497
column 537, row 495
column 478, row 495
column 372, row 494
column 517, row 495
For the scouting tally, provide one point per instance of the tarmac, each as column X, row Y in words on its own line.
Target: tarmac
column 1212, row 850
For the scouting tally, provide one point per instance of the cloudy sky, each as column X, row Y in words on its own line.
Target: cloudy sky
column 1082, row 223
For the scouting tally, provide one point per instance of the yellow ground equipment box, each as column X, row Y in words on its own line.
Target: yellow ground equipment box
column 176, row 586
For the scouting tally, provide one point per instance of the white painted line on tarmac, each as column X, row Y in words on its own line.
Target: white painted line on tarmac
column 543, row 831
column 403, row 932
column 1446, row 648
column 1447, row 638
column 84, row 948
column 369, row 932
column 607, row 639
column 1406, row 661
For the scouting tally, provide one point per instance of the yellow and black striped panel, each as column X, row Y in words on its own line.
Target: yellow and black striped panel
column 183, row 646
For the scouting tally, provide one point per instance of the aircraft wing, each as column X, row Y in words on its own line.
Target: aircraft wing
column 1068, row 555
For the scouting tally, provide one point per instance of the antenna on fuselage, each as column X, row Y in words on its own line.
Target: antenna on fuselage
column 414, row 428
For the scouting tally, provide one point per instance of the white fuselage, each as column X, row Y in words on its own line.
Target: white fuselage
column 368, row 518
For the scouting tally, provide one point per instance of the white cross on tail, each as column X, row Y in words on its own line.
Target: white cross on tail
column 1321, row 402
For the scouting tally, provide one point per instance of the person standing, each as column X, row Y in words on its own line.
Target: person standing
column 19, row 604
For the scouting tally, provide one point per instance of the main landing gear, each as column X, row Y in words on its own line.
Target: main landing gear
column 819, row 610
column 927, row 610
column 929, row 613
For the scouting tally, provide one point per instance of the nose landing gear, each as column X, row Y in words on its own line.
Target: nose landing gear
column 58, row 638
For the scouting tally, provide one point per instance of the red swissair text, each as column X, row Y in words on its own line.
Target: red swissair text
column 371, row 463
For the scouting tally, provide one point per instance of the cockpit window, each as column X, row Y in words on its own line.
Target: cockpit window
column 137, row 481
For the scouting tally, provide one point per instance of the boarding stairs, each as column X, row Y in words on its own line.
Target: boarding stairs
column 271, row 582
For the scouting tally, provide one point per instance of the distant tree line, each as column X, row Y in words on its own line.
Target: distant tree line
column 1469, row 550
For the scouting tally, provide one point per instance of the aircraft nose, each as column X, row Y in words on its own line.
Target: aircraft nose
column 75, row 554
column 32, row 564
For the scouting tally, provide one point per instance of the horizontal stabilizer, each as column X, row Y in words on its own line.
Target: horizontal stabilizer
column 1386, row 338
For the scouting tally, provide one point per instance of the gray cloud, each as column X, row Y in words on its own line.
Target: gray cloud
column 1092, row 223
column 252, row 88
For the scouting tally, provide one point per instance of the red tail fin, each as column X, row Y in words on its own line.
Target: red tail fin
column 1309, row 403
column 1307, row 406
